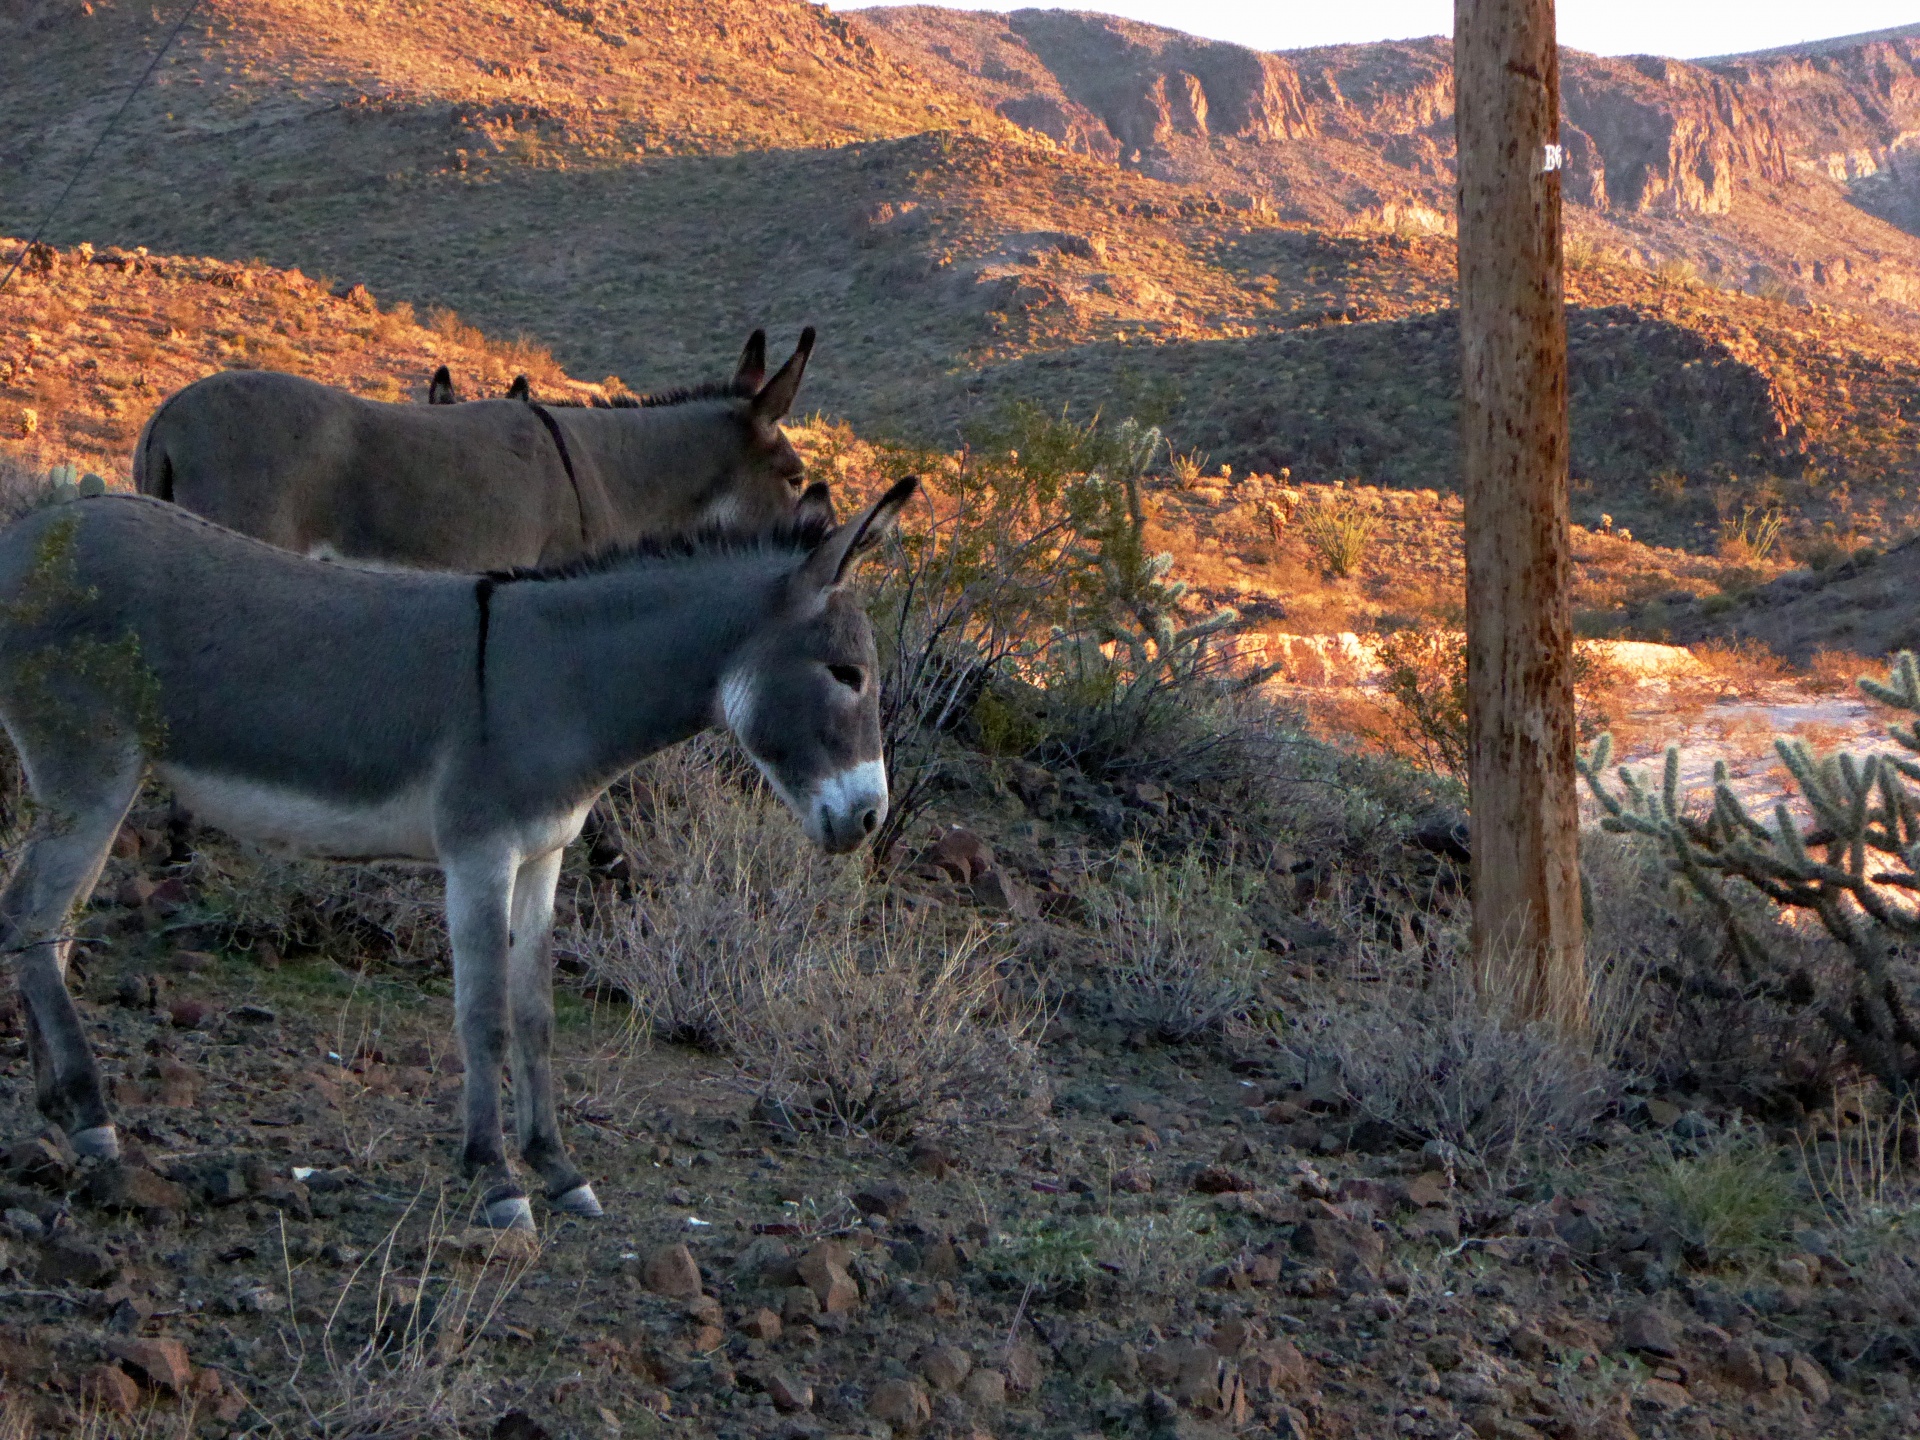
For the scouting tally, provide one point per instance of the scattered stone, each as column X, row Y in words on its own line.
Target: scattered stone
column 942, row 1261
column 671, row 1270
column 252, row 1015
column 823, row 1271
column 518, row 1425
column 946, row 1367
column 191, row 962
column 111, row 1388
column 1024, row 1370
column 930, row 1159
column 901, row 1404
column 798, row 1304
column 885, row 1198
column 985, row 1390
column 788, row 1393
column 1347, row 1247
column 762, row 1324
column 1219, row 1180
column 959, row 855
column 1426, row 1190
column 67, row 1260
column 120, row 1186
column 1647, row 1331
column 187, row 1014
column 178, row 1088
column 1805, row 1374
column 704, row 1310
column 1435, row 1227
column 1113, row 1360
column 46, row 1161
column 1134, row 1180
column 162, row 1363
column 998, row 892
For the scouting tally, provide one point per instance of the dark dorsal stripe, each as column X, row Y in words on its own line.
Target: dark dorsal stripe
column 483, row 599
column 566, row 461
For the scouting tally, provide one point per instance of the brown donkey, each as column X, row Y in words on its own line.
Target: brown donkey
column 486, row 485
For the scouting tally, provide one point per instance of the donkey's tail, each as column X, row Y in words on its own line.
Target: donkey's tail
column 152, row 468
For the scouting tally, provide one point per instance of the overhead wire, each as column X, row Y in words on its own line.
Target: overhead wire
column 45, row 220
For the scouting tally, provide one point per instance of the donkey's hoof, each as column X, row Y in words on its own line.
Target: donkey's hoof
column 512, row 1212
column 99, row 1141
column 580, row 1200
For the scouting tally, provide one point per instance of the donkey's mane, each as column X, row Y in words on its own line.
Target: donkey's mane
column 794, row 536
column 734, row 389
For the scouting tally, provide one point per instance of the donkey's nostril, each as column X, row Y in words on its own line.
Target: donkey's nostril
column 870, row 821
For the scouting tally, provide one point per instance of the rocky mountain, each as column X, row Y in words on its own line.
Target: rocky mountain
column 1774, row 172
column 1062, row 208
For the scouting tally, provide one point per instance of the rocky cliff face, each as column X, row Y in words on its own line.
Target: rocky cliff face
column 1849, row 111
column 1790, row 172
column 1646, row 134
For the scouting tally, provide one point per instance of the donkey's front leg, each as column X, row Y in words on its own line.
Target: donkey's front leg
column 536, row 1123
column 479, row 905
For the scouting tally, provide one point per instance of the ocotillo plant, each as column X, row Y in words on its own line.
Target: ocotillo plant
column 1854, row 866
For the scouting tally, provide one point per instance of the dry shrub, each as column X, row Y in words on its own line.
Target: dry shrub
column 837, row 1008
column 1425, row 687
column 1835, row 672
column 1702, row 1021
column 1175, row 951
column 394, row 1360
column 1435, row 1064
column 1420, row 1049
column 248, row 897
column 883, row 1034
column 1744, row 666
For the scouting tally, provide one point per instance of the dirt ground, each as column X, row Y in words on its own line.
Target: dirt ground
column 1192, row 1240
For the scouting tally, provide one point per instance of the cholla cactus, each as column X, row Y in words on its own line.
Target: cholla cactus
column 1855, row 867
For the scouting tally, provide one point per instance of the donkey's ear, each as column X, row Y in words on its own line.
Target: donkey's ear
column 814, row 509
column 440, row 388
column 834, row 556
column 752, row 373
column 776, row 397
column 520, row 389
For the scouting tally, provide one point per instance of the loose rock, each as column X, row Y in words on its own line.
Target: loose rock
column 901, row 1404
column 672, row 1270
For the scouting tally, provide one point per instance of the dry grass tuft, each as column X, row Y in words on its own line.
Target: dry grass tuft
column 839, row 1009
column 1175, row 952
column 395, row 1359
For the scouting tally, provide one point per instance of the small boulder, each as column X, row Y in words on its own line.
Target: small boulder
column 886, row 1198
column 946, row 1367
column 126, row 1187
column 1648, row 1332
column 761, row 1324
column 823, row 1270
column 788, row 1392
column 162, row 1363
column 985, row 1390
column 901, row 1404
column 111, row 1388
column 671, row 1270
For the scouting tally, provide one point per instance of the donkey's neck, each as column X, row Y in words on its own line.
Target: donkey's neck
column 602, row 670
column 659, row 465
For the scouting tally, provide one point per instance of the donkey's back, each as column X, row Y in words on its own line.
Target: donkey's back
column 316, row 470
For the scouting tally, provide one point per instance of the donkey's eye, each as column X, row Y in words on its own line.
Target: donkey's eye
column 851, row 676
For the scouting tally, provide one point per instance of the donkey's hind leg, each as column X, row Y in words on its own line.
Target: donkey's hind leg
column 530, row 978
column 80, row 808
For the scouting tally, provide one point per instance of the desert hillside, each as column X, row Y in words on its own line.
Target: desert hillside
column 636, row 185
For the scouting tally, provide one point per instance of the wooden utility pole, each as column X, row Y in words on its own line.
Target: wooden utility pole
column 1528, row 947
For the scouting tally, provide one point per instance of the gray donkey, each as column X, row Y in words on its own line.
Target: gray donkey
column 357, row 712
column 486, row 485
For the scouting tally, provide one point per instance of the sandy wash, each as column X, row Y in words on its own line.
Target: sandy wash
column 358, row 713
